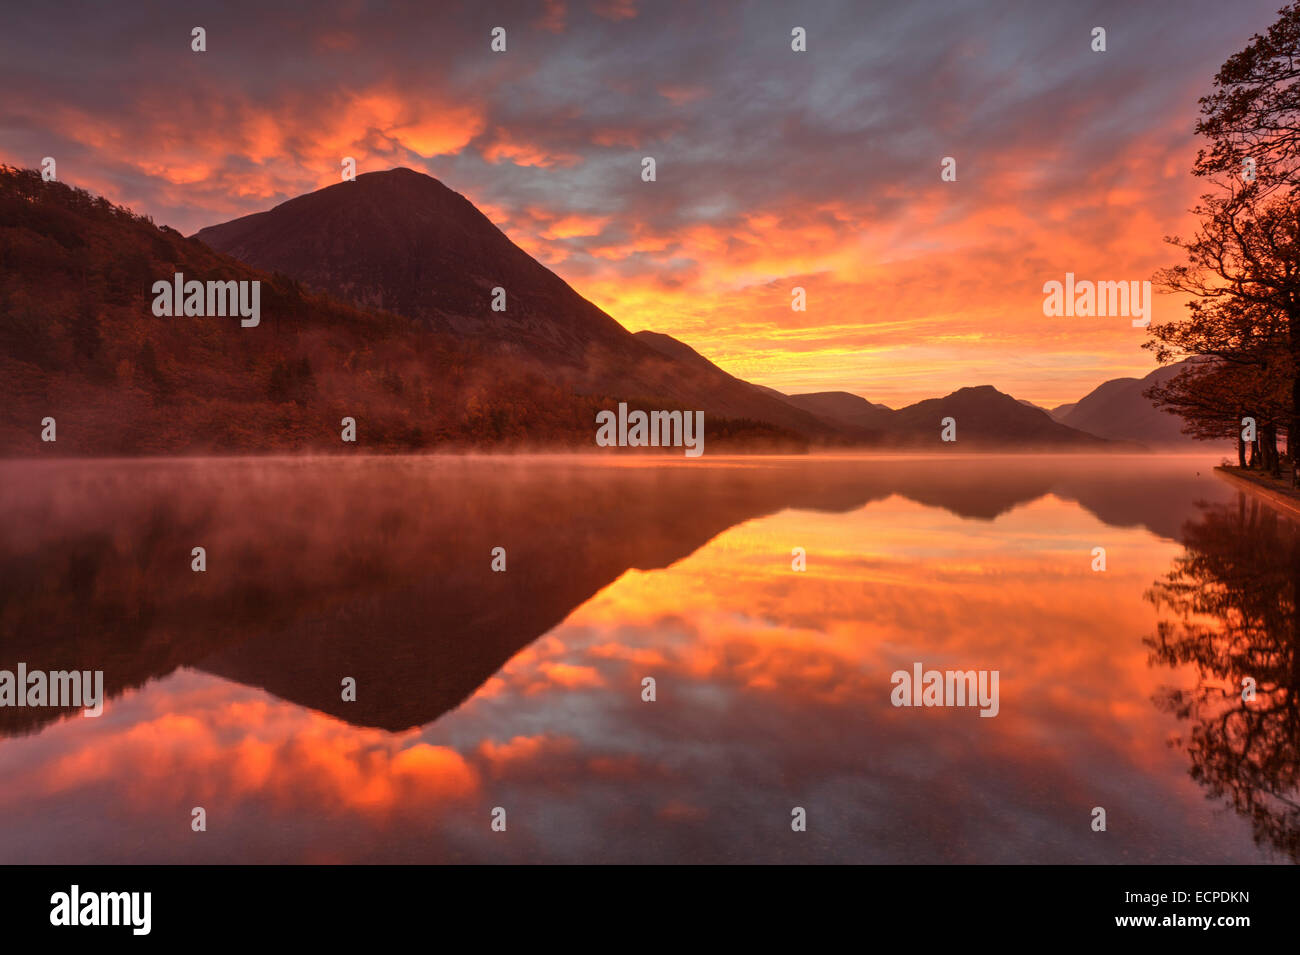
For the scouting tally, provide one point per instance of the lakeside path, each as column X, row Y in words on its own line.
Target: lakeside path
column 1276, row 492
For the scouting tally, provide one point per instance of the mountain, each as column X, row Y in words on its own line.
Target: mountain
column 1117, row 409
column 862, row 417
column 680, row 351
column 402, row 241
column 772, row 391
column 845, row 408
column 80, row 343
column 686, row 357
column 987, row 417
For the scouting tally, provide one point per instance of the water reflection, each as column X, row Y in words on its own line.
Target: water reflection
column 522, row 689
column 1231, row 602
column 380, row 568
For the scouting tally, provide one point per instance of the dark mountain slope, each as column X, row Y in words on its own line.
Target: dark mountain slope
column 403, row 241
column 846, row 408
column 987, row 417
column 79, row 343
column 1117, row 409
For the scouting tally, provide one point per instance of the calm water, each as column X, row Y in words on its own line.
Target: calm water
column 522, row 689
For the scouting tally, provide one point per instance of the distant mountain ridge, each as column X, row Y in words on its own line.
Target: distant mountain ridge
column 1117, row 409
column 985, row 416
column 404, row 241
column 988, row 417
column 448, row 371
column 844, row 407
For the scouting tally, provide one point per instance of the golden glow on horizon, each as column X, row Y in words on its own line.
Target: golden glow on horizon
column 944, row 291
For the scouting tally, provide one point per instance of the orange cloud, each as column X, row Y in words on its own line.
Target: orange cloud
column 254, row 151
column 615, row 9
column 508, row 147
column 568, row 227
column 680, row 95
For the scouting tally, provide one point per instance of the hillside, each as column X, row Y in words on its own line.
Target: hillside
column 986, row 417
column 403, row 241
column 1118, row 409
column 80, row 343
column 846, row 408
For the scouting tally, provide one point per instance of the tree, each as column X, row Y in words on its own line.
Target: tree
column 1254, row 110
column 1243, row 274
column 1242, row 369
column 1215, row 398
column 1246, row 250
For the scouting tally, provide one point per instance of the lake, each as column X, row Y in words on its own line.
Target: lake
column 517, row 694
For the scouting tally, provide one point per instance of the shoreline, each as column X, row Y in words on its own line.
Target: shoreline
column 1275, row 492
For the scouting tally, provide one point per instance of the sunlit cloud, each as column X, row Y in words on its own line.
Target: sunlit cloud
column 775, row 169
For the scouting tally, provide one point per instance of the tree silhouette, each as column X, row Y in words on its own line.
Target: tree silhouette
column 1243, row 262
column 1253, row 111
column 1243, row 369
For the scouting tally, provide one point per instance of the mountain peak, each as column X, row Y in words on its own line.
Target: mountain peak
column 402, row 241
column 986, row 416
column 844, row 407
column 400, row 177
column 979, row 391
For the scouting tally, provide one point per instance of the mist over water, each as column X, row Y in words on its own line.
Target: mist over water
column 523, row 689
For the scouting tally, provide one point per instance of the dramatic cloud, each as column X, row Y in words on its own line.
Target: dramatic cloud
column 775, row 169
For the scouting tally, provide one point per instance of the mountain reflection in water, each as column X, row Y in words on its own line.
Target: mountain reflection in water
column 522, row 689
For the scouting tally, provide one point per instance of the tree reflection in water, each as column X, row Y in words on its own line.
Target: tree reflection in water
column 1229, row 608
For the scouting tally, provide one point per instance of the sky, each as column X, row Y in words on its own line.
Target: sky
column 775, row 169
